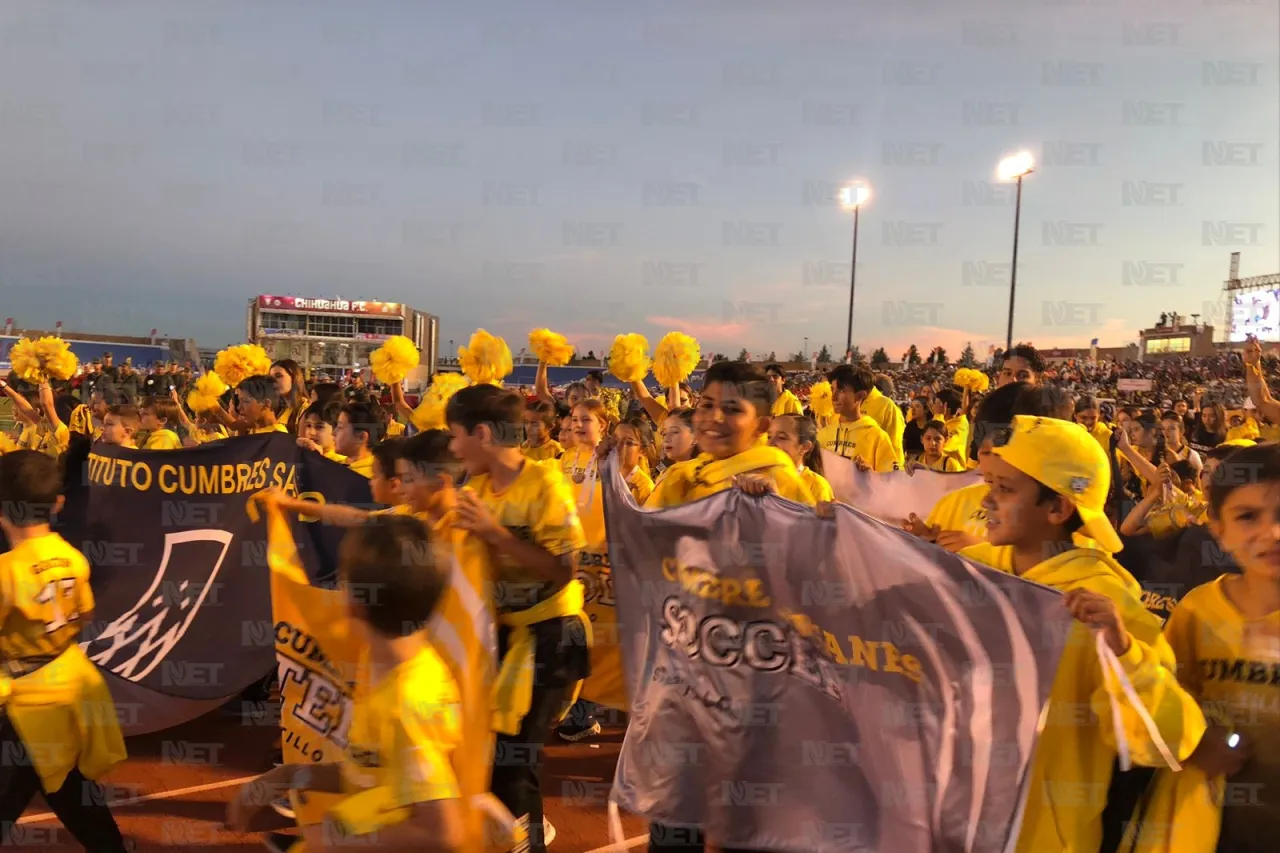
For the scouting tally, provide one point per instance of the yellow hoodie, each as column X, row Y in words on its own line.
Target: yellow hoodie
column 1072, row 767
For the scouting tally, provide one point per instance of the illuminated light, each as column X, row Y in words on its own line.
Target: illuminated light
column 1015, row 166
column 855, row 195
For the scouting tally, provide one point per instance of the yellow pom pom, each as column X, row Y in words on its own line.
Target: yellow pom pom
column 661, row 400
column 983, row 383
column 394, row 360
column 552, row 349
column 486, row 360
column 675, row 358
column 629, row 358
column 207, row 395
column 430, row 412
column 238, row 363
column 821, row 402
column 42, row 360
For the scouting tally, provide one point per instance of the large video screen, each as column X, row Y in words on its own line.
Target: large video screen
column 1257, row 315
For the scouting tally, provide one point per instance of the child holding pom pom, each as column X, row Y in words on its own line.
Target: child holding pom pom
column 43, row 429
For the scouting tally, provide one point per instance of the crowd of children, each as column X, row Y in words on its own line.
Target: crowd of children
column 510, row 483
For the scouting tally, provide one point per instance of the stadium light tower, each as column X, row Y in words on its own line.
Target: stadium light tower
column 1014, row 168
column 853, row 197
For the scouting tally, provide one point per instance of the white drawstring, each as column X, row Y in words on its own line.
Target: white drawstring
column 1110, row 662
column 615, row 826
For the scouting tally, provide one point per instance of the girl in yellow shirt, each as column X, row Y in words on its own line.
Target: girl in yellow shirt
column 539, row 419
column 291, row 385
column 1226, row 636
column 797, row 436
column 934, row 439
column 631, row 438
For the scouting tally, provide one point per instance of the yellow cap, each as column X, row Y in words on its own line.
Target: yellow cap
column 1067, row 459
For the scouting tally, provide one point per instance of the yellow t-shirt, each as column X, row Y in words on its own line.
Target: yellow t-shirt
column 276, row 427
column 946, row 464
column 540, row 508
column 205, row 436
column 44, row 590
column 163, row 439
column 957, row 443
column 44, row 440
column 405, row 730
column 1232, row 666
column 363, row 467
column 862, row 437
column 579, row 468
column 395, row 429
column 786, row 404
column 684, row 482
column 335, row 456
column 547, row 450
column 818, row 485
column 962, row 511
column 640, row 484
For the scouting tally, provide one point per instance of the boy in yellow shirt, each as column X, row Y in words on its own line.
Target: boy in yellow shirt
column 526, row 515
column 398, row 771
column 731, row 416
column 158, row 416
column 853, row 434
column 1047, row 482
column 539, row 418
column 59, row 727
column 120, row 425
column 317, row 428
column 360, row 429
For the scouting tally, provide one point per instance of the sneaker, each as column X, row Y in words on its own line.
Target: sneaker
column 278, row 842
column 284, row 808
column 548, row 832
column 573, row 731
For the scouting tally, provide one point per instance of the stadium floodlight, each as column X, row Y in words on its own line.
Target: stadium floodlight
column 1015, row 167
column 854, row 196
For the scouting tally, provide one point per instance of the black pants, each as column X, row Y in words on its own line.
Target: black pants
column 561, row 658
column 79, row 803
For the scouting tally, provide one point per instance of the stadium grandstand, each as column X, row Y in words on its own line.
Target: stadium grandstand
column 88, row 347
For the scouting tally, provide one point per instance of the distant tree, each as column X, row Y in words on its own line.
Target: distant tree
column 798, row 356
column 591, row 355
column 773, row 356
column 744, row 355
column 912, row 356
column 575, row 358
column 938, row 356
column 879, row 358
column 824, row 355
column 856, row 356
column 966, row 357
column 720, row 357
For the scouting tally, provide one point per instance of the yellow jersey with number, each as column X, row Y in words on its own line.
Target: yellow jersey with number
column 44, row 589
column 62, row 710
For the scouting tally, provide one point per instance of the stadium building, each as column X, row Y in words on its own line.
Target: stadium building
column 332, row 336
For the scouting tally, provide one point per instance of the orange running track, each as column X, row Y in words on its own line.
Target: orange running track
column 172, row 793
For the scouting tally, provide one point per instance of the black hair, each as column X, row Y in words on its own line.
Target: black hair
column 391, row 573
column 366, row 418
column 1030, row 354
column 1072, row 524
column 776, row 368
column 597, row 375
column 951, row 398
column 496, row 408
column 429, row 453
column 807, row 430
column 386, row 453
column 749, row 379
column 1247, row 466
column 853, row 377
column 30, row 483
column 1184, row 469
column 1045, row 401
column 1086, row 403
column 263, row 389
column 326, row 412
column 326, row 391
column 938, row 427
column 995, row 414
